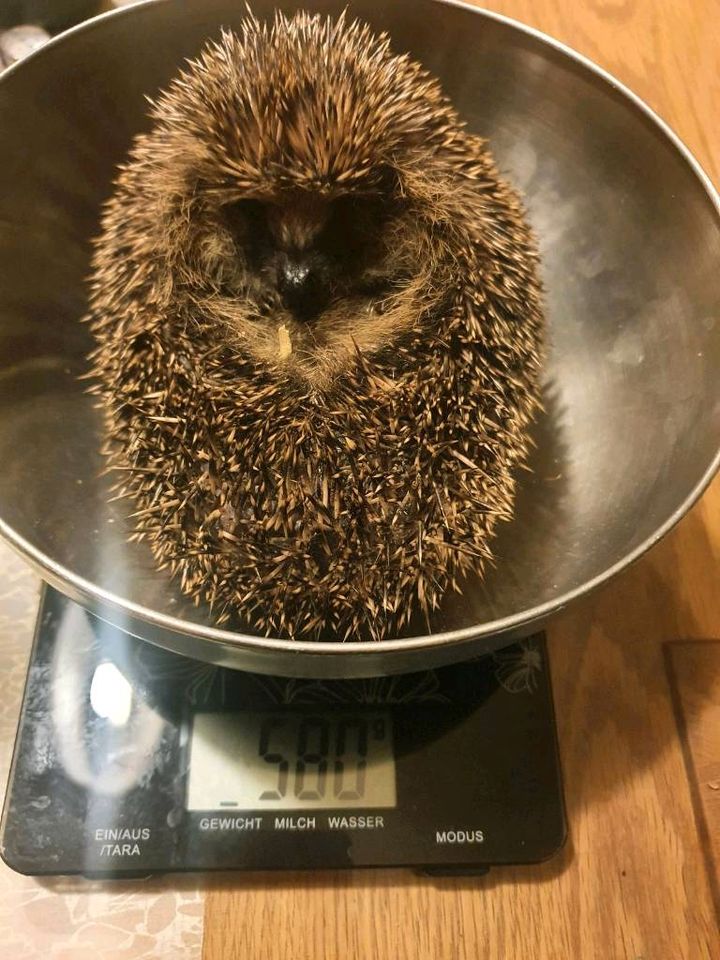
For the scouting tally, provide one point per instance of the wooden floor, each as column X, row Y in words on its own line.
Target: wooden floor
column 639, row 710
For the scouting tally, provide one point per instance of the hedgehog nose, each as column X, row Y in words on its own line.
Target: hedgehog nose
column 300, row 288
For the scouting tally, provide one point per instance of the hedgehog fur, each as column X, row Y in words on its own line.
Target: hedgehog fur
column 318, row 478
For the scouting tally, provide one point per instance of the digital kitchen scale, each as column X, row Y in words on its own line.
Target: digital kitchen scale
column 130, row 760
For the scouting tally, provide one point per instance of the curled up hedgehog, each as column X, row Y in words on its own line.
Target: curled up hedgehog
column 318, row 328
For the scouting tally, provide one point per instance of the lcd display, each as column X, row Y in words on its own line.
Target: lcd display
column 291, row 761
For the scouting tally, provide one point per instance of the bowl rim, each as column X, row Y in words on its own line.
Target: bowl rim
column 117, row 609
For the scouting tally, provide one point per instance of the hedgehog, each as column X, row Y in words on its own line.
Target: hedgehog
column 318, row 329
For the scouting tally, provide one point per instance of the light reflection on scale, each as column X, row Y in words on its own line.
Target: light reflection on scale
column 133, row 729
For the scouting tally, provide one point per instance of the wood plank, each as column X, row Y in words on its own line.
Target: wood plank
column 695, row 672
column 632, row 882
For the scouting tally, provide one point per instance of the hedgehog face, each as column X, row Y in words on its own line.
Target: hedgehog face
column 306, row 252
column 304, row 278
column 320, row 266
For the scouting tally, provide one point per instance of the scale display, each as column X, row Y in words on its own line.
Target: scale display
column 130, row 761
column 291, row 761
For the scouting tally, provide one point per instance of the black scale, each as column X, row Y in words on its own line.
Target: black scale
column 130, row 760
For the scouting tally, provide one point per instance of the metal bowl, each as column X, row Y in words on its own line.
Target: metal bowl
column 630, row 235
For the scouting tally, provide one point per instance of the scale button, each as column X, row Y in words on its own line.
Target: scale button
column 230, row 823
column 295, row 823
column 356, row 823
column 459, row 837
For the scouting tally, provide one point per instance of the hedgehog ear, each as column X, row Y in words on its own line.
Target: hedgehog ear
column 246, row 212
column 386, row 180
column 247, row 206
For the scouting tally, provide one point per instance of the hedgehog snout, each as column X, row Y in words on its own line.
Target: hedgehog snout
column 303, row 281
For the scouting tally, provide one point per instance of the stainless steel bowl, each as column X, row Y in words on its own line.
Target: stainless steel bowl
column 630, row 236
